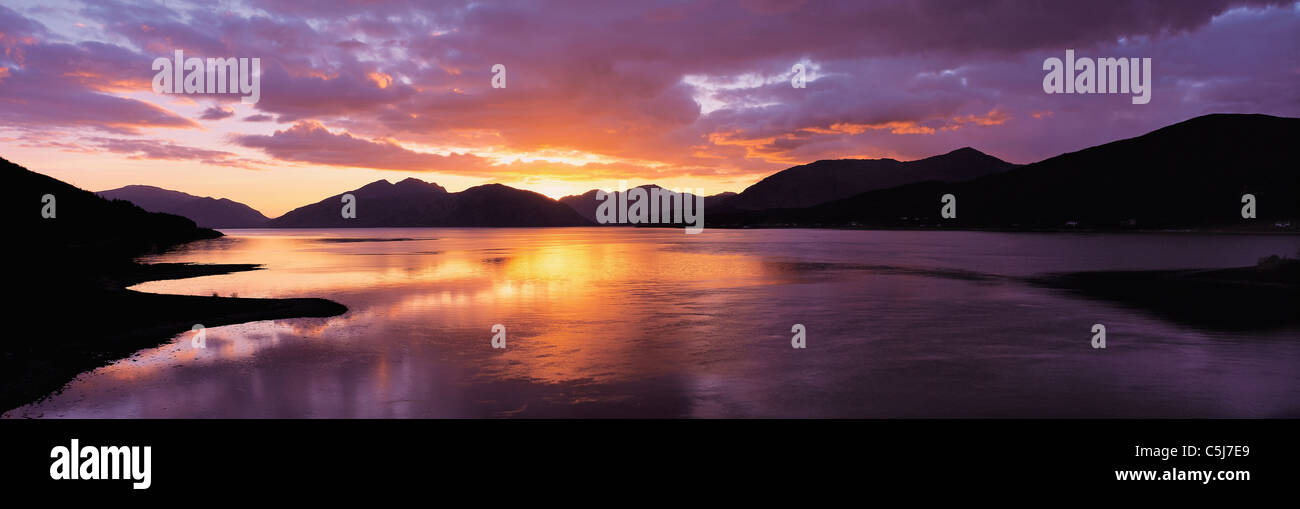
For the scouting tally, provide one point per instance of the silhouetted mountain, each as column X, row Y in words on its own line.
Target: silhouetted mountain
column 413, row 202
column 585, row 204
column 87, row 232
column 68, row 275
column 823, row 181
column 717, row 200
column 207, row 212
column 1188, row 175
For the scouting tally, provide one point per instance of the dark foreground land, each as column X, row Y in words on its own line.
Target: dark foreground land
column 71, row 259
column 1265, row 296
column 83, row 327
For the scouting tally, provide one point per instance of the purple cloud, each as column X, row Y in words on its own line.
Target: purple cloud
column 698, row 88
column 217, row 113
column 310, row 142
column 168, row 151
column 46, row 84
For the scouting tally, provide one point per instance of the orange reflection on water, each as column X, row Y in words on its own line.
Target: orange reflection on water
column 564, row 298
column 656, row 323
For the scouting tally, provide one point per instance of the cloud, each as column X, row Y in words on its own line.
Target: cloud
column 164, row 150
column 657, row 88
column 217, row 113
column 311, row 142
column 48, row 84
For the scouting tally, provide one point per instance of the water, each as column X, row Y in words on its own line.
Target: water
column 619, row 322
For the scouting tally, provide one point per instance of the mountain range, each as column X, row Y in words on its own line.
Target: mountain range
column 1192, row 174
column 823, row 181
column 586, row 203
column 205, row 211
column 413, row 202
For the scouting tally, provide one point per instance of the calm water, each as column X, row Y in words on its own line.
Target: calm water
column 655, row 323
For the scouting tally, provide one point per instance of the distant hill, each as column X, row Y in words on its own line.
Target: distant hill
column 585, row 204
column 205, row 211
column 823, row 181
column 1190, row 175
column 87, row 232
column 413, row 202
column 68, row 277
column 717, row 200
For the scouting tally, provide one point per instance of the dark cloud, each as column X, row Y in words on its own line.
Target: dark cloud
column 217, row 113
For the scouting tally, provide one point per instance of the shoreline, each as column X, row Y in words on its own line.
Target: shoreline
column 999, row 230
column 103, row 322
column 797, row 227
column 1254, row 298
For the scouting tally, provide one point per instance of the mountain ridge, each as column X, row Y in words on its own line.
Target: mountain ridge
column 1188, row 175
column 831, row 179
column 413, row 203
column 585, row 204
column 205, row 211
column 1178, row 167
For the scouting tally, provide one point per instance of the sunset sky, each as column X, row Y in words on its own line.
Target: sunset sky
column 682, row 94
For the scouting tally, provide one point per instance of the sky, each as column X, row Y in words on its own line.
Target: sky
column 690, row 95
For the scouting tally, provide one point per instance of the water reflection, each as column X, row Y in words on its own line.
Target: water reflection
column 654, row 323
